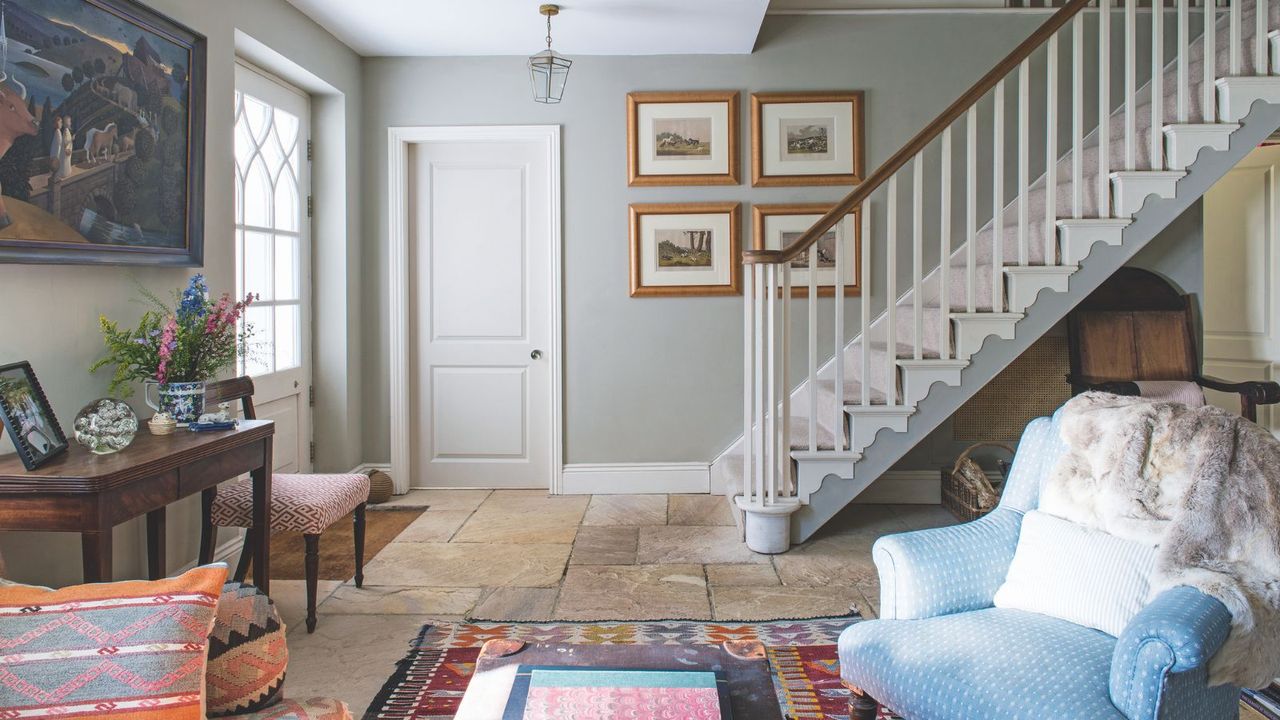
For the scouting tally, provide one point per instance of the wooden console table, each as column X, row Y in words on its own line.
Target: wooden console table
column 91, row 494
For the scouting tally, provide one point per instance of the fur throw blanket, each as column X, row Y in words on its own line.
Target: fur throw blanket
column 1201, row 484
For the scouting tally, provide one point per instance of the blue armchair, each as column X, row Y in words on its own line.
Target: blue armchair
column 941, row 651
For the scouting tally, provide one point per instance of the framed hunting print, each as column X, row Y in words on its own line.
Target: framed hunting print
column 812, row 138
column 777, row 226
column 683, row 249
column 682, row 138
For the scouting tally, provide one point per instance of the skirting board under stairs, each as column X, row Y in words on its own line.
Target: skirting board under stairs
column 636, row 478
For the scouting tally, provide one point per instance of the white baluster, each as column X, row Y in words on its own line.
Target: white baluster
column 1261, row 15
column 812, row 307
column 1210, row 101
column 839, row 335
column 784, row 385
column 891, row 295
column 1157, row 88
column 771, row 396
column 1184, row 78
column 944, row 251
column 1051, row 149
column 1077, row 116
column 1104, row 108
column 748, row 372
column 864, row 304
column 1024, row 161
column 1130, row 85
column 917, row 256
column 1234, row 47
column 997, row 202
column 971, row 209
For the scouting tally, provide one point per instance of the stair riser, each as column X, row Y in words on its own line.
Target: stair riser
column 865, row 425
column 1079, row 237
column 973, row 330
column 917, row 378
column 1026, row 284
column 1130, row 189
column 1236, row 96
column 1183, row 143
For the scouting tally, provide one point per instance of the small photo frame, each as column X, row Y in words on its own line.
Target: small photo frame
column 682, row 138
column 776, row 226
column 811, row 138
column 32, row 426
column 685, row 249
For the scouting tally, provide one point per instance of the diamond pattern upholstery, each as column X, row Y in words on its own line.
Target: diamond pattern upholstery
column 305, row 504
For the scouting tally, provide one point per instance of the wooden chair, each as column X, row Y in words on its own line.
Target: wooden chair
column 1136, row 327
column 303, row 503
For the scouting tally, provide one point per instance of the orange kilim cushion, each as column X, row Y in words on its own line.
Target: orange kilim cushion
column 127, row 650
column 247, row 653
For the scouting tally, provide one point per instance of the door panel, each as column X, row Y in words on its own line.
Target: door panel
column 480, row 314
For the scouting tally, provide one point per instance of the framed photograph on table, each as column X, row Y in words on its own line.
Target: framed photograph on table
column 685, row 249
column 813, row 138
column 682, row 138
column 777, row 226
column 32, row 426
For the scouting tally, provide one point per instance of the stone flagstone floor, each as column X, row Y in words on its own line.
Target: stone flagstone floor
column 518, row 555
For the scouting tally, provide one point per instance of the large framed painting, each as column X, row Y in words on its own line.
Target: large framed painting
column 683, row 249
column 682, row 138
column 777, row 226
column 102, row 144
column 808, row 138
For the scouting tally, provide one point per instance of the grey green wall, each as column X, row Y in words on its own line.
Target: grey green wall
column 63, row 339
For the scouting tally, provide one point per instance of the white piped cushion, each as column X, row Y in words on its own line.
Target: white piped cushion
column 1077, row 574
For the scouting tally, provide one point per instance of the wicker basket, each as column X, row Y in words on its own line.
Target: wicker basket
column 966, row 490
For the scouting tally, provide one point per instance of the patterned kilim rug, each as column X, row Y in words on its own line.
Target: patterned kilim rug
column 429, row 682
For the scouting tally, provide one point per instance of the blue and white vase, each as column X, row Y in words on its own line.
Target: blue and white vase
column 183, row 401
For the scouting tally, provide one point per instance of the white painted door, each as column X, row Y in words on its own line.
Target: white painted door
column 481, row 304
column 273, row 256
column 1242, row 278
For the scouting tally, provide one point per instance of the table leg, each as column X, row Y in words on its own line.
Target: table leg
column 262, row 520
column 95, row 551
column 155, row 544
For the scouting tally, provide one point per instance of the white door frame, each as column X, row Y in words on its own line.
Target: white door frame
column 399, row 140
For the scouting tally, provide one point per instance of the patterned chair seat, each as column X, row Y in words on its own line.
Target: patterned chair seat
column 992, row 663
column 305, row 504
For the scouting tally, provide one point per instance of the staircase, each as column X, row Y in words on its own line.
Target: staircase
column 1021, row 245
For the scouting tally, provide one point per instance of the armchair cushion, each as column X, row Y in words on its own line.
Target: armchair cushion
column 945, row 570
column 991, row 663
column 1166, row 646
column 1076, row 573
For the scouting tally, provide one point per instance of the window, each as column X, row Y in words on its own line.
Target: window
column 269, row 159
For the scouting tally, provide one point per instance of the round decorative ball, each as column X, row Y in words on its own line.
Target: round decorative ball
column 380, row 487
column 247, row 634
column 105, row 426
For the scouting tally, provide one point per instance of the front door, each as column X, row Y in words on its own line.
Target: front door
column 480, row 312
column 273, row 258
column 1242, row 278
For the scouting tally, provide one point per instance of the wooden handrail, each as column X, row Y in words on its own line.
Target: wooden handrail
column 919, row 142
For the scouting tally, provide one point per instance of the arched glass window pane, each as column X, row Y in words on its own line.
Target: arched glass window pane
column 258, row 197
column 287, row 210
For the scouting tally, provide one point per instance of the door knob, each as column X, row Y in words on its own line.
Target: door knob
column 536, row 354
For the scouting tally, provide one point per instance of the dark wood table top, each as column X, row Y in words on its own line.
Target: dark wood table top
column 79, row 471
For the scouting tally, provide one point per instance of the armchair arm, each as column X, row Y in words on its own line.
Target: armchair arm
column 1178, row 632
column 945, row 570
column 1262, row 392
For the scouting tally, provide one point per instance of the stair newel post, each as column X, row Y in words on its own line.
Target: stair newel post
column 864, row 308
column 917, row 256
column 1235, row 53
column 1077, row 116
column 971, row 209
column 1051, row 149
column 780, row 489
column 891, row 297
column 997, row 201
column 944, row 251
column 1261, row 16
column 1184, row 78
column 1104, row 108
column 1209, row 104
column 1157, row 87
column 748, row 376
column 1024, row 154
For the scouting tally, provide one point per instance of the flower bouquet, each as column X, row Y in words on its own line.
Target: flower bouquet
column 177, row 350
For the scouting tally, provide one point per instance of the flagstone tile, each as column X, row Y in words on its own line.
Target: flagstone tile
column 780, row 602
column 522, row 516
column 439, row 500
column 699, row 510
column 634, row 592
column 676, row 544
column 467, row 565
column 399, row 600
column 290, row 597
column 605, row 546
column 739, row 575
column 517, row 605
column 434, row 526
column 617, row 510
column 923, row 517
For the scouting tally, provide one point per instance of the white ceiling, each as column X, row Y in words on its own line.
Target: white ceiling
column 514, row 27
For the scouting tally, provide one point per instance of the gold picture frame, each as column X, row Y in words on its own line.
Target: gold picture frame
column 809, row 138
column 686, row 249
column 683, row 138
column 804, row 215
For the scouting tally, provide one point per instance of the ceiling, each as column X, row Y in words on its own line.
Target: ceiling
column 514, row 27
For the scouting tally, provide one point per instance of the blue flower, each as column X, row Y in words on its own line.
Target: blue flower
column 193, row 300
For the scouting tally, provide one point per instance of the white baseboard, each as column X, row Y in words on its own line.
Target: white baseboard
column 366, row 468
column 636, row 478
column 904, row 487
